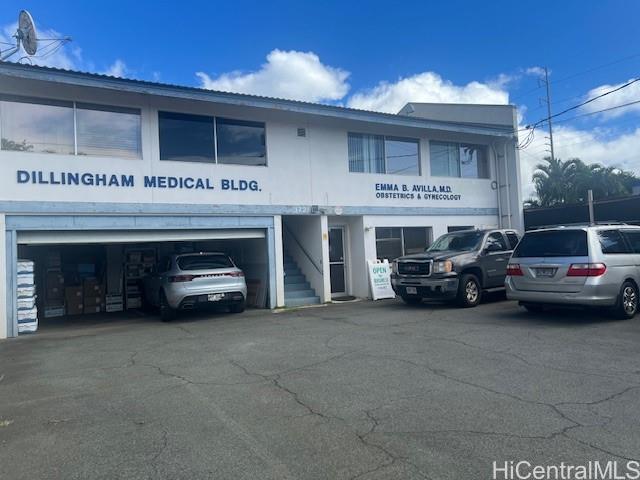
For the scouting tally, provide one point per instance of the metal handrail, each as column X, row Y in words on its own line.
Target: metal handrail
column 295, row 239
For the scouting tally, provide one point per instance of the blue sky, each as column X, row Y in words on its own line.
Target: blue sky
column 375, row 55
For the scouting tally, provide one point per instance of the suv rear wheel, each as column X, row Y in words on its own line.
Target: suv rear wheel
column 237, row 307
column 166, row 312
column 627, row 304
column 469, row 291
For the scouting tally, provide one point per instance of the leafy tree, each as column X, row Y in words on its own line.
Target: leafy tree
column 557, row 182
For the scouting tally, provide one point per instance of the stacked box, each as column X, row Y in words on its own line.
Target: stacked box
column 114, row 303
column 27, row 311
column 73, row 297
column 92, row 295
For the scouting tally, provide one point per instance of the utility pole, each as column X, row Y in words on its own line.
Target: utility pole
column 546, row 81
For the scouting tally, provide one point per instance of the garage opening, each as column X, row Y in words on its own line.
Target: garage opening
column 65, row 277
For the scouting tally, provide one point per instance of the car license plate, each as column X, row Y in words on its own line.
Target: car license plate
column 545, row 272
column 215, row 297
column 412, row 290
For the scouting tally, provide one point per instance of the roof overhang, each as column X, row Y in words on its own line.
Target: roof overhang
column 105, row 82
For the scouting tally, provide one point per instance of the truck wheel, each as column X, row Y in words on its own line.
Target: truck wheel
column 469, row 291
column 411, row 300
column 627, row 305
column 166, row 312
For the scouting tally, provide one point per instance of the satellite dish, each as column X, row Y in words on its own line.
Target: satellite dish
column 25, row 36
column 27, row 33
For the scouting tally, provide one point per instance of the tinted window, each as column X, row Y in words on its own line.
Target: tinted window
column 459, row 228
column 553, row 243
column 44, row 127
column 513, row 239
column 633, row 239
column 416, row 239
column 496, row 240
column 186, row 138
column 458, row 160
column 379, row 154
column 402, row 156
column 241, row 143
column 204, row 262
column 611, row 241
column 108, row 131
column 457, row 242
column 388, row 242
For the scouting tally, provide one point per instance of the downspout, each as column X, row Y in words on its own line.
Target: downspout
column 508, row 182
column 495, row 169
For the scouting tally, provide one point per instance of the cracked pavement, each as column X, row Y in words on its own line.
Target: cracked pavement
column 348, row 391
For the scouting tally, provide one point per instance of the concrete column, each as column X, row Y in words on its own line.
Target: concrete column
column 279, row 260
column 3, row 279
column 325, row 295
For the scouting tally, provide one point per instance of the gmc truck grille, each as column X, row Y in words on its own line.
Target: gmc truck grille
column 414, row 268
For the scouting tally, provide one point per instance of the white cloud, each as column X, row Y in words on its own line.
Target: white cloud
column 117, row 69
column 286, row 74
column 535, row 71
column 428, row 87
column 626, row 95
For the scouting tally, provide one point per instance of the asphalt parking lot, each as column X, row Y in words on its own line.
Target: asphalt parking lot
column 360, row 390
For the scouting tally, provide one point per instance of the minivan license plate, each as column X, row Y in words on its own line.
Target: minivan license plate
column 545, row 272
column 214, row 297
column 412, row 290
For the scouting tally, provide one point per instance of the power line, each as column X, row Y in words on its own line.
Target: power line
column 592, row 99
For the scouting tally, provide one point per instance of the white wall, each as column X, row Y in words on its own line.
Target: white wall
column 302, row 171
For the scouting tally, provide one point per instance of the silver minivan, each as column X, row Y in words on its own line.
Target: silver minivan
column 591, row 266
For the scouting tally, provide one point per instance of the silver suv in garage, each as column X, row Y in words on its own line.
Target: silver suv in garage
column 186, row 281
column 591, row 266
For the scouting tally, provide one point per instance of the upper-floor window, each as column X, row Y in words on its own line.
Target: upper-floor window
column 380, row 154
column 70, row 128
column 458, row 160
column 201, row 138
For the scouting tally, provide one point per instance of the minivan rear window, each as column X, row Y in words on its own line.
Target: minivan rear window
column 204, row 262
column 553, row 243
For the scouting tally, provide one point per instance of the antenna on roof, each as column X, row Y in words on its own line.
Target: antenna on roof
column 25, row 35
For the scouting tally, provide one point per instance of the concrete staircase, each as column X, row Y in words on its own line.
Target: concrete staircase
column 297, row 291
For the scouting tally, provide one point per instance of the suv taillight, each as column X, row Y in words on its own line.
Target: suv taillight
column 181, row 278
column 514, row 270
column 586, row 269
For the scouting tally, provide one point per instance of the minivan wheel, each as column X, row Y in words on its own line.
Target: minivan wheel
column 166, row 312
column 411, row 300
column 627, row 304
column 533, row 308
column 469, row 291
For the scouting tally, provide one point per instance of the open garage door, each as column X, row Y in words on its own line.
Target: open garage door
column 106, row 273
column 133, row 236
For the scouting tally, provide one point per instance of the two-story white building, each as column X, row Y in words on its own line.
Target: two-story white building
column 100, row 173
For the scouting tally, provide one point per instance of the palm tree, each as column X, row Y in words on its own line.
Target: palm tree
column 559, row 182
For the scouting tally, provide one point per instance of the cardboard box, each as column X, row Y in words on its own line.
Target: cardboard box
column 75, row 308
column 54, row 311
column 92, row 301
column 93, row 309
column 114, row 307
column 54, row 283
column 92, row 287
column 73, row 294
